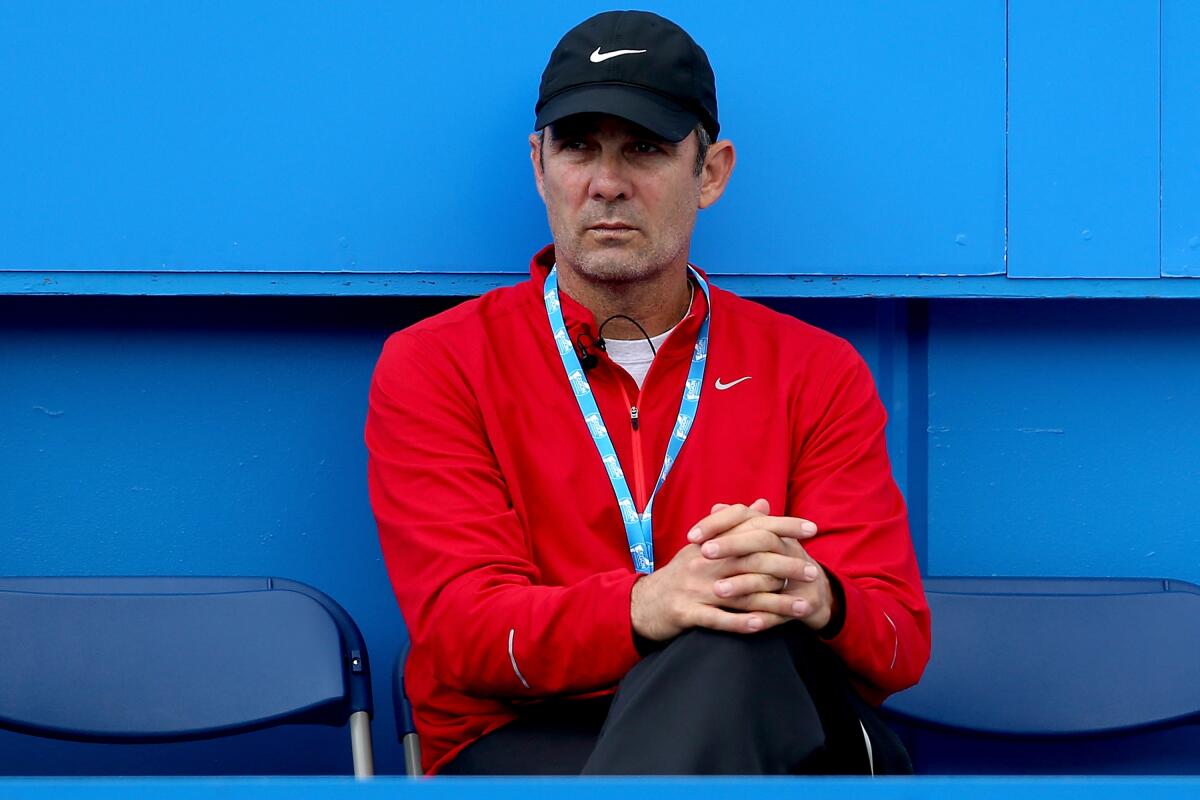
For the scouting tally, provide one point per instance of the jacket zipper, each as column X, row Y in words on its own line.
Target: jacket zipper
column 639, row 468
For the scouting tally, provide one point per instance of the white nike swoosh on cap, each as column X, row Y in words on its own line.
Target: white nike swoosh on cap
column 596, row 57
column 723, row 386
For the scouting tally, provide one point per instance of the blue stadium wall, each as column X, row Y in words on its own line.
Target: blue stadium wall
column 212, row 216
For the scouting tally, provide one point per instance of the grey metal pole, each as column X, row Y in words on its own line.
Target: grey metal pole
column 360, row 745
column 412, row 756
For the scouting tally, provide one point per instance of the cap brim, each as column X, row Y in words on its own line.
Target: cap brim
column 662, row 117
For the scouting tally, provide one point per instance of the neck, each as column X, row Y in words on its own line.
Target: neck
column 658, row 303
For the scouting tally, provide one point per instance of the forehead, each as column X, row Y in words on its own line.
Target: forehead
column 599, row 125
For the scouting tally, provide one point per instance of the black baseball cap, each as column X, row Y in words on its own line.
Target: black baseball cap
column 634, row 65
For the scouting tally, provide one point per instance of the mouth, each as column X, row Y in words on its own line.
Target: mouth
column 605, row 228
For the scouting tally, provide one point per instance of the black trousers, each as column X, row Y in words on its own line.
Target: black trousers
column 708, row 703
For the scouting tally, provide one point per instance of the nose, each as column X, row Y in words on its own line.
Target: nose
column 609, row 179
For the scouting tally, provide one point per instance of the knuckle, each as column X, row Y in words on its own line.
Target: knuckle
column 761, row 601
column 760, row 562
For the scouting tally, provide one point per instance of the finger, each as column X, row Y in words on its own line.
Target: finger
column 771, row 603
column 790, row 527
column 800, row 570
column 746, row 584
column 719, row 619
column 804, row 607
column 742, row 541
column 762, row 505
column 720, row 521
column 793, row 548
column 810, row 604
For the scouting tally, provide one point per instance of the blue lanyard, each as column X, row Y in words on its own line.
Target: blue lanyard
column 638, row 528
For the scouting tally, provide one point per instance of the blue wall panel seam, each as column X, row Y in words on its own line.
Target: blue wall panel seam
column 1160, row 134
column 916, row 337
column 1006, row 127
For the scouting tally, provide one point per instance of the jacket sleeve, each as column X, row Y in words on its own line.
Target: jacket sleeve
column 458, row 554
column 842, row 481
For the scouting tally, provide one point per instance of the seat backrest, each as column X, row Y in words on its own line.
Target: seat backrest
column 168, row 659
column 1056, row 659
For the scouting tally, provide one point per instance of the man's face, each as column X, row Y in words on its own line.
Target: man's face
column 621, row 202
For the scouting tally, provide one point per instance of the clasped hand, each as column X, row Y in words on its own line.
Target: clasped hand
column 743, row 571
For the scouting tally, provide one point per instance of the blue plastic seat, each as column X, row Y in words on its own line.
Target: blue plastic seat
column 155, row 660
column 1057, row 676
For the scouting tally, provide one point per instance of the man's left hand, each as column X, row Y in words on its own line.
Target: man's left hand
column 769, row 568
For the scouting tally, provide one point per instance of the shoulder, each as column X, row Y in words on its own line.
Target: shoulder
column 754, row 325
column 448, row 351
column 817, row 367
column 466, row 327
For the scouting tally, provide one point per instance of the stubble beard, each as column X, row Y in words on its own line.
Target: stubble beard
column 621, row 262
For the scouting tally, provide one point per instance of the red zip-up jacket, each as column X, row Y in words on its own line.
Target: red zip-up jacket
column 499, row 525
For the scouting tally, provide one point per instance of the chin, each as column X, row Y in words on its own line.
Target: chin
column 615, row 268
column 619, row 262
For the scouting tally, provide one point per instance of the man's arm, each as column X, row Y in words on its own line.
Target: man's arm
column 843, row 481
column 458, row 555
column 856, row 582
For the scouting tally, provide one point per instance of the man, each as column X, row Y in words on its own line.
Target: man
column 618, row 477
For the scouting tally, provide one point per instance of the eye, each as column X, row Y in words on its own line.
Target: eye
column 646, row 147
column 576, row 143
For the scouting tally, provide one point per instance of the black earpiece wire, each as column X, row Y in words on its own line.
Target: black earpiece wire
column 600, row 332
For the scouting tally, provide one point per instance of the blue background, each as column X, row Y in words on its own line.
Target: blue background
column 392, row 136
column 374, row 156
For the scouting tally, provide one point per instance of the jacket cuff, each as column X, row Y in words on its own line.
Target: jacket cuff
column 630, row 647
column 837, row 619
column 847, row 635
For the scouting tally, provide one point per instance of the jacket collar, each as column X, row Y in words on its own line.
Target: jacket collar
column 581, row 321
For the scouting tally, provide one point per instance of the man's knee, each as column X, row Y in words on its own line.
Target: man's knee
column 730, row 670
column 709, row 645
column 778, row 650
column 714, row 702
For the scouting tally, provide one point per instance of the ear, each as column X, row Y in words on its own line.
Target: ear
column 718, row 166
column 535, row 157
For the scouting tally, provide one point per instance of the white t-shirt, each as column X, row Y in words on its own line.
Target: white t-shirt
column 635, row 355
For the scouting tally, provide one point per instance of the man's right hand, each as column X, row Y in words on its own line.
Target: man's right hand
column 680, row 595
